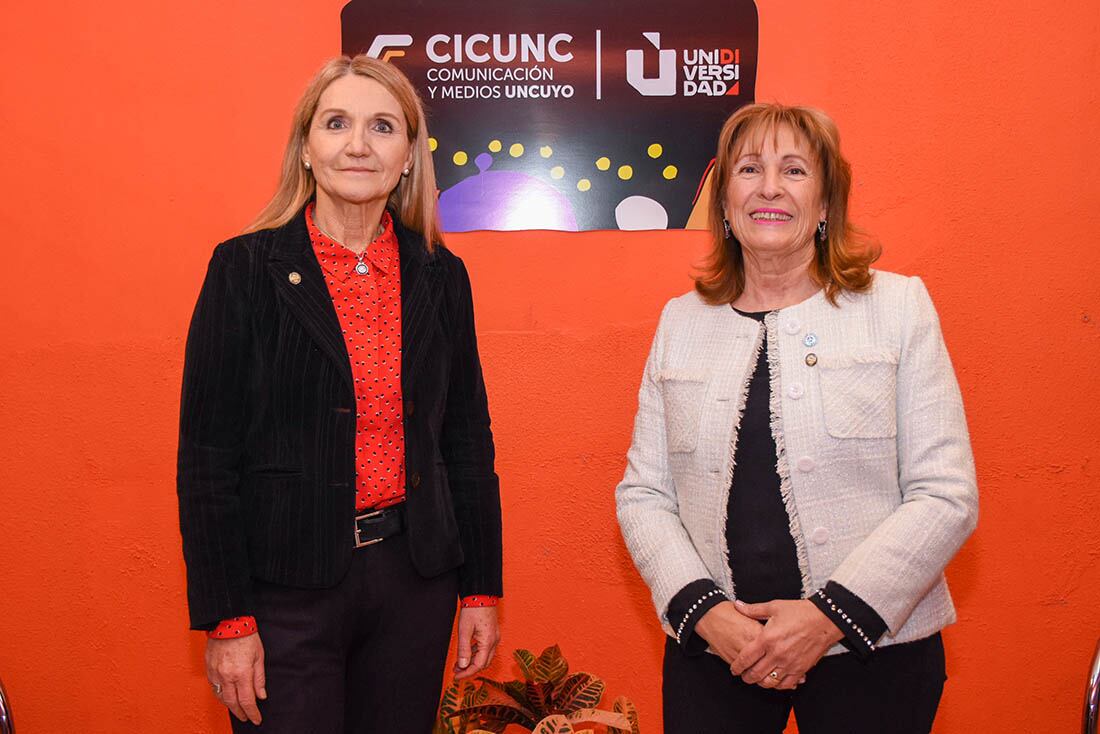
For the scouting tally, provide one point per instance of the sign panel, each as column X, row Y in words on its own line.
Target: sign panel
column 567, row 115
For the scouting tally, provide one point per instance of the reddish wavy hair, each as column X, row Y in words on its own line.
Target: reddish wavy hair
column 842, row 260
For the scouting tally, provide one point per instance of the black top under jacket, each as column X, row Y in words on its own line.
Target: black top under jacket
column 266, row 467
column 762, row 555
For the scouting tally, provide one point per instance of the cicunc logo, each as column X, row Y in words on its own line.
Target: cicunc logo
column 389, row 41
column 664, row 85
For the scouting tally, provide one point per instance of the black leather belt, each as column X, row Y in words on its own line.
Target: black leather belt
column 377, row 525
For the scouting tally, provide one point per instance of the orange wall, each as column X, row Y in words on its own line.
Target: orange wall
column 138, row 134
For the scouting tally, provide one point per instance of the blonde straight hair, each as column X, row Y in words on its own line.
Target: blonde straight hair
column 413, row 201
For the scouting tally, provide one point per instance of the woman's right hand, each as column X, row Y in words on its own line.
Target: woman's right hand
column 235, row 669
column 727, row 630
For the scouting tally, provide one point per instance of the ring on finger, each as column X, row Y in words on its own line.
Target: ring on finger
column 217, row 688
column 774, row 675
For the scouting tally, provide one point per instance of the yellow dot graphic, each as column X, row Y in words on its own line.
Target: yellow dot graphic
column 603, row 163
column 432, row 144
column 669, row 172
column 557, row 172
column 494, row 146
column 546, row 151
column 626, row 173
column 516, row 150
column 655, row 150
column 584, row 184
column 460, row 158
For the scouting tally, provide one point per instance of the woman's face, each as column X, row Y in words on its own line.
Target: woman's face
column 773, row 199
column 358, row 142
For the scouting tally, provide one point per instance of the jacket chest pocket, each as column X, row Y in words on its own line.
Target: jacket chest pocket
column 682, row 392
column 859, row 393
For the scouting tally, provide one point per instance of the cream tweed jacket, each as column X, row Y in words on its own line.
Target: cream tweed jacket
column 874, row 457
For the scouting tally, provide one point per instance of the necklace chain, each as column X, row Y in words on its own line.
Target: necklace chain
column 359, row 255
column 361, row 267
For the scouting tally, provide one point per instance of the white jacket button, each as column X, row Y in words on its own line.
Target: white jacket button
column 806, row 464
column 795, row 390
column 820, row 536
column 792, row 326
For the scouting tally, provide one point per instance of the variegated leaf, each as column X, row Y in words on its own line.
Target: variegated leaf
column 551, row 665
column 451, row 698
column 554, row 725
column 599, row 716
column 472, row 695
column 516, row 689
column 578, row 691
column 540, row 696
column 496, row 713
column 624, row 706
column 526, row 662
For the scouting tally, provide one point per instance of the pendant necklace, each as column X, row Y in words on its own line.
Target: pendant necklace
column 361, row 266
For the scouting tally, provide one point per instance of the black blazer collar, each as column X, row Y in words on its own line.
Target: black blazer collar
column 309, row 300
column 300, row 283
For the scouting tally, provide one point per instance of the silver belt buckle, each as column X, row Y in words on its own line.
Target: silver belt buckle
column 359, row 542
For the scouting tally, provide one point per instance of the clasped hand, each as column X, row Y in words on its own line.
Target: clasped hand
column 793, row 639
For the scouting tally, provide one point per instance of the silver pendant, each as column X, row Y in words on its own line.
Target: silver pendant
column 362, row 268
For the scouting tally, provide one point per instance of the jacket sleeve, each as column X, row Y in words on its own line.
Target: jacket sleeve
column 646, row 500
column 899, row 562
column 212, row 425
column 466, row 443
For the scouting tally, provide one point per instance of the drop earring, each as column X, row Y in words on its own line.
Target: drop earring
column 822, row 227
column 726, row 226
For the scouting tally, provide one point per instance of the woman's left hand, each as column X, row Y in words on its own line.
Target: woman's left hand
column 478, row 635
column 795, row 637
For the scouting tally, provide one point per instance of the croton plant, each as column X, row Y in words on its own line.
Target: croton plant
column 546, row 699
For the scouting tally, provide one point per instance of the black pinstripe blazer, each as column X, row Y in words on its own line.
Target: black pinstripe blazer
column 266, row 472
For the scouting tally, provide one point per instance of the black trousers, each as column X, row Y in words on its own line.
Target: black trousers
column 363, row 657
column 896, row 691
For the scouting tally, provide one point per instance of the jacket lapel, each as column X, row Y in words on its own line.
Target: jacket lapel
column 420, row 294
column 307, row 299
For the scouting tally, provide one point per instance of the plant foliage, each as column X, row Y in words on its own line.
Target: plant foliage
column 546, row 699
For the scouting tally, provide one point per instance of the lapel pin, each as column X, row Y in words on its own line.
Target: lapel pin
column 294, row 278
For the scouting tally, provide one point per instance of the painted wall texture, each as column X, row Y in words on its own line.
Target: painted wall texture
column 139, row 134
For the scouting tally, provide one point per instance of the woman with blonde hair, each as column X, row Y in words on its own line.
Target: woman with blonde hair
column 336, row 483
column 800, row 472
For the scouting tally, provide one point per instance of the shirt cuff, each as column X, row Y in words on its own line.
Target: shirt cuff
column 861, row 625
column 479, row 600
column 236, row 627
column 688, row 607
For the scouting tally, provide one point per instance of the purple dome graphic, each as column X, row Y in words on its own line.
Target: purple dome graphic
column 503, row 200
